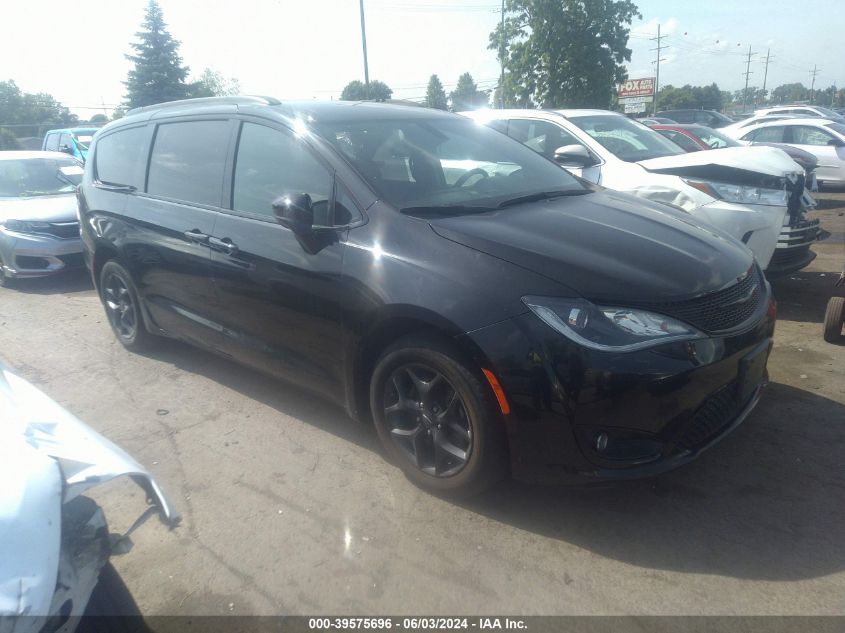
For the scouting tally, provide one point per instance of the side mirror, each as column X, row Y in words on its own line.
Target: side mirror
column 67, row 149
column 574, row 155
column 835, row 142
column 295, row 211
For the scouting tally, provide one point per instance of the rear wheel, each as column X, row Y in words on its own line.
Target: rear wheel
column 120, row 300
column 436, row 418
column 834, row 317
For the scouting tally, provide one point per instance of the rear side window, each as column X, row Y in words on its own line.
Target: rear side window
column 806, row 135
column 188, row 161
column 119, row 156
column 271, row 164
column 52, row 143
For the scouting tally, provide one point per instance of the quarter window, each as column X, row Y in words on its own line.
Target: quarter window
column 188, row 161
column 271, row 164
column 119, row 156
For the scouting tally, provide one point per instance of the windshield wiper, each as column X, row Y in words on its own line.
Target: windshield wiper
column 448, row 209
column 542, row 195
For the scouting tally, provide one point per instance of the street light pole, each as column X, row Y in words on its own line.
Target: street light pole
column 364, row 43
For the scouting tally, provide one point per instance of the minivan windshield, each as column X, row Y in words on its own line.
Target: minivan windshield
column 25, row 177
column 445, row 163
column 626, row 139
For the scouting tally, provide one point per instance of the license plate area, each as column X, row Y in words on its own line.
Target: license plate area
column 751, row 371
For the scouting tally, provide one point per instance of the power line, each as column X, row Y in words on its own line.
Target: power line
column 813, row 74
column 747, row 74
column 659, row 48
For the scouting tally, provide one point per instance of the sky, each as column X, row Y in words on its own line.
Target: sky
column 310, row 49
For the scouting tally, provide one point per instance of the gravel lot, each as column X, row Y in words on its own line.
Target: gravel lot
column 289, row 507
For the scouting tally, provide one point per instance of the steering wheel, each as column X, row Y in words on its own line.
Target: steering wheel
column 460, row 182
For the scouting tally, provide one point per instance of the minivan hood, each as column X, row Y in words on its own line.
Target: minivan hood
column 57, row 208
column 606, row 246
column 762, row 160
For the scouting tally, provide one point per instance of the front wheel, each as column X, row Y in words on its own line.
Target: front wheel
column 120, row 300
column 834, row 318
column 436, row 418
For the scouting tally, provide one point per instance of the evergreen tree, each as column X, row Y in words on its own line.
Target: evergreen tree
column 355, row 90
column 467, row 96
column 158, row 74
column 435, row 96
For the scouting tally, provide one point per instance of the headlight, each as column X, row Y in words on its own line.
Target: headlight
column 609, row 329
column 741, row 194
column 19, row 226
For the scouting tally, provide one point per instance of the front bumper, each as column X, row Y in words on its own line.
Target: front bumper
column 34, row 255
column 793, row 248
column 660, row 408
column 757, row 226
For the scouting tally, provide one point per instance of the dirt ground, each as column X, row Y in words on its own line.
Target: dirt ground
column 289, row 507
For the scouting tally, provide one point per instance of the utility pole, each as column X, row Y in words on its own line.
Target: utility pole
column 364, row 42
column 502, row 61
column 813, row 74
column 659, row 48
column 765, row 72
column 747, row 74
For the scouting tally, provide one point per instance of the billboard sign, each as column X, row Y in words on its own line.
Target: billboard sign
column 635, row 108
column 637, row 88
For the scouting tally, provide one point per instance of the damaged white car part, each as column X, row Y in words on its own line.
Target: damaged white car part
column 53, row 540
column 755, row 194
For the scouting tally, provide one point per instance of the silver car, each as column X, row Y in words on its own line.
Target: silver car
column 39, row 226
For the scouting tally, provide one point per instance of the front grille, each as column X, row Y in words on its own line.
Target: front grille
column 62, row 230
column 720, row 310
column 716, row 413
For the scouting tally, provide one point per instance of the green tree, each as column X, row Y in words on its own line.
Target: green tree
column 356, row 91
column 29, row 114
column 790, row 93
column 158, row 74
column 435, row 96
column 564, row 53
column 8, row 140
column 213, row 84
column 695, row 97
column 98, row 119
column 467, row 96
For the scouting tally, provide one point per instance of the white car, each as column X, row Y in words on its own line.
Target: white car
column 738, row 129
column 804, row 111
column 757, row 195
column 54, row 541
column 823, row 138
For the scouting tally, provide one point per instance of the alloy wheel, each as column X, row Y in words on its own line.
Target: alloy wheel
column 120, row 307
column 428, row 420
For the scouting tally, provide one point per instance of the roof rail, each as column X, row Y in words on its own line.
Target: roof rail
column 234, row 100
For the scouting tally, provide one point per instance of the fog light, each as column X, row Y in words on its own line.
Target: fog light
column 601, row 442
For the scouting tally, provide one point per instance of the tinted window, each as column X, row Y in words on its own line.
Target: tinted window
column 772, row 134
column 65, row 141
column 345, row 211
column 500, row 125
column 271, row 164
column 541, row 136
column 188, row 161
column 714, row 139
column 119, row 156
column 682, row 116
column 52, row 143
column 806, row 135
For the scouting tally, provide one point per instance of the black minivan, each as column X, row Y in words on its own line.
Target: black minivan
column 490, row 312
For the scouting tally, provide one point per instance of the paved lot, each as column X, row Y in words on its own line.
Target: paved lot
column 290, row 509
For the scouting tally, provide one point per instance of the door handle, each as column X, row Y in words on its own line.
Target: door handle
column 226, row 245
column 195, row 235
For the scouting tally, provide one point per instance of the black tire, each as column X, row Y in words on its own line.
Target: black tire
column 123, row 309
column 834, row 317
column 472, row 425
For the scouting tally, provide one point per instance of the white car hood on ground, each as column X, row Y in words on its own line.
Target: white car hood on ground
column 764, row 160
column 47, row 457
